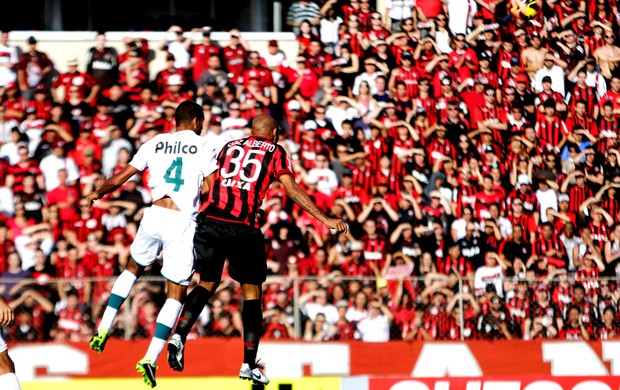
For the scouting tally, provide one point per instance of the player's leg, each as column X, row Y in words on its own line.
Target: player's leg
column 178, row 268
column 8, row 380
column 120, row 291
column 248, row 265
column 166, row 319
column 144, row 249
column 208, row 245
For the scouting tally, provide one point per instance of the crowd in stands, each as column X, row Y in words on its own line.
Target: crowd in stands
column 473, row 154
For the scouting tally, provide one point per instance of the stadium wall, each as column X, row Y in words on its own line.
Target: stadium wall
column 476, row 365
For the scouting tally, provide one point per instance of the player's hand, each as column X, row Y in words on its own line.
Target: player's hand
column 6, row 314
column 336, row 226
column 92, row 197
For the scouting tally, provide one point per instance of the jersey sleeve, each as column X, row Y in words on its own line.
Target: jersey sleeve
column 282, row 162
column 140, row 159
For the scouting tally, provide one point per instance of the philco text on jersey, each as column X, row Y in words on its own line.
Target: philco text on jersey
column 175, row 148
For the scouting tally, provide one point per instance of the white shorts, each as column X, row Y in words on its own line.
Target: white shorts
column 172, row 231
column 3, row 346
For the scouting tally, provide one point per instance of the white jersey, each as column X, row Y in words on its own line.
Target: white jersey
column 178, row 163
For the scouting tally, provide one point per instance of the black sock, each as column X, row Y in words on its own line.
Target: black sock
column 194, row 303
column 252, row 317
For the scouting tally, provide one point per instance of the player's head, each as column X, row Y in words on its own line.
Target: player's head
column 189, row 116
column 265, row 126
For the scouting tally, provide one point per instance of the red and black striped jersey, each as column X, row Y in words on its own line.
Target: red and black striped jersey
column 551, row 129
column 600, row 234
column 246, row 169
column 587, row 94
column 411, row 78
column 577, row 196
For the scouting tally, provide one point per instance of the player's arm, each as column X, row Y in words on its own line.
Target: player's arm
column 113, row 183
column 297, row 195
column 207, row 184
column 6, row 314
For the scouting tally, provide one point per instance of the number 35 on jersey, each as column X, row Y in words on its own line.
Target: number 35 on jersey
column 243, row 168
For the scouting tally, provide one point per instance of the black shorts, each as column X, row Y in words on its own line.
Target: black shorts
column 243, row 246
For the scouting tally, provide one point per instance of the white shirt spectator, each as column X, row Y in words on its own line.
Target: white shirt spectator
column 50, row 166
column 27, row 246
column 569, row 244
column 328, row 181
column 399, row 9
column 10, row 151
column 7, row 205
column 557, row 79
column 375, row 330
column 546, row 199
column 442, row 38
column 505, row 227
column 5, row 129
column 489, row 275
column 33, row 129
column 460, row 15
column 329, row 310
column 272, row 60
column 329, row 30
column 110, row 154
column 181, row 56
column 369, row 78
column 8, row 56
column 337, row 115
column 355, row 315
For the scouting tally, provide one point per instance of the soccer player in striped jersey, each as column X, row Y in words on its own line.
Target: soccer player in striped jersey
column 227, row 230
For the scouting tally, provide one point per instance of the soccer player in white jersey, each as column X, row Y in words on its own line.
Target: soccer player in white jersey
column 177, row 163
column 8, row 380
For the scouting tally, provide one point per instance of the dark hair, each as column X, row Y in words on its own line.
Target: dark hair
column 188, row 111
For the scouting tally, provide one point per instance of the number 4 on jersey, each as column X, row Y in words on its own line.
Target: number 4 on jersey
column 177, row 168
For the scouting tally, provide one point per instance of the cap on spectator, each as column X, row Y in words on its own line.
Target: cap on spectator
column 489, row 149
column 515, row 61
column 294, row 105
column 216, row 120
column 523, row 179
column 342, row 303
column 446, row 81
column 406, row 55
column 311, row 179
column 379, row 42
column 310, row 125
column 381, row 283
column 31, row 109
column 175, row 79
column 535, row 34
column 546, row 79
column 490, row 288
column 301, row 59
column 32, row 40
column 563, row 198
column 522, row 78
column 272, row 43
column 357, row 246
column 484, row 56
column 170, row 57
column 376, row 15
column 40, row 89
column 86, row 126
column 519, row 32
column 347, row 172
column 489, row 90
column 58, row 144
column 435, row 194
column 253, row 75
column 10, row 85
column 439, row 292
column 259, row 105
column 541, row 287
column 549, row 103
column 72, row 62
column 370, row 61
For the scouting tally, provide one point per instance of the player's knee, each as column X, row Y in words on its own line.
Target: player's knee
column 134, row 268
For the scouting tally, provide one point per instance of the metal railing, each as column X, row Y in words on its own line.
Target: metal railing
column 152, row 289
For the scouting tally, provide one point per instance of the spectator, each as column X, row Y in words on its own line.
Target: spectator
column 376, row 327
column 302, row 10
column 33, row 69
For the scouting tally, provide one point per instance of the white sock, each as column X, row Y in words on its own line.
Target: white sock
column 9, row 382
column 163, row 328
column 120, row 291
